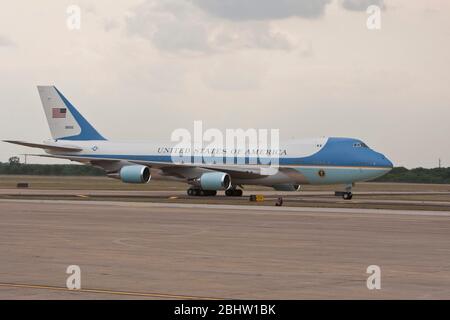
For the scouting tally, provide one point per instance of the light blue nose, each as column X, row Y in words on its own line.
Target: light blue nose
column 385, row 162
column 380, row 160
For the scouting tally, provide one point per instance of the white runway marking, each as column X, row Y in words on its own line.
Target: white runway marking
column 255, row 209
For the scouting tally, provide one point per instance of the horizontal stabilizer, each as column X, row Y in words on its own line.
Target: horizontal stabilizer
column 45, row 146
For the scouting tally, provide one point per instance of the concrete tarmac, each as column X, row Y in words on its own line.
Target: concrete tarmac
column 161, row 193
column 129, row 250
column 413, row 200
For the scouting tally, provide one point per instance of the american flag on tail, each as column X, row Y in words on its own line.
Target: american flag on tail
column 59, row 113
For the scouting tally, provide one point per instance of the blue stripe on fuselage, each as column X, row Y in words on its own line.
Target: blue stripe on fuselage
column 336, row 152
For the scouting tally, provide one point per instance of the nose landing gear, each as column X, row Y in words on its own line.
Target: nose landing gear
column 347, row 194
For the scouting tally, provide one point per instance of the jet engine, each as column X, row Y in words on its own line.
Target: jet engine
column 215, row 181
column 135, row 174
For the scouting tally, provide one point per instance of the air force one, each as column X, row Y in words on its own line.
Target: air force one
column 321, row 161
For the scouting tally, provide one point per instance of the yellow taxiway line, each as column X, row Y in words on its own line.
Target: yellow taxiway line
column 113, row 292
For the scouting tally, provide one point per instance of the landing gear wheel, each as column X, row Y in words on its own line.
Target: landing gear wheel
column 233, row 193
column 209, row 193
column 347, row 196
column 193, row 192
column 201, row 193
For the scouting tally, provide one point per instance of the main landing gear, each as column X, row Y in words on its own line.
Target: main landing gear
column 201, row 193
column 196, row 192
column 233, row 192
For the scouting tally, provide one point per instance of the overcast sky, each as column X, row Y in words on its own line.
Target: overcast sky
column 138, row 69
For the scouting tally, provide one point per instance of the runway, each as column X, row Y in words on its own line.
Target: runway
column 130, row 250
column 399, row 200
column 162, row 193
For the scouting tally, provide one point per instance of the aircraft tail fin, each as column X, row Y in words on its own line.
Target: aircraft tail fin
column 64, row 120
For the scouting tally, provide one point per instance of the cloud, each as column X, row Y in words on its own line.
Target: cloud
column 255, row 35
column 361, row 5
column 182, row 27
column 181, row 35
column 6, row 42
column 169, row 25
column 235, row 73
column 111, row 24
column 242, row 10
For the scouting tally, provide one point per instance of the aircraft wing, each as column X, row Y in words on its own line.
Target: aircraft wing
column 45, row 146
column 178, row 170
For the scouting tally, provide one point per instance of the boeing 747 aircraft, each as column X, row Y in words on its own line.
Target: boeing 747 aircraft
column 321, row 161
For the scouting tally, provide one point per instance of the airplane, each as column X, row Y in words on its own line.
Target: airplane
column 317, row 161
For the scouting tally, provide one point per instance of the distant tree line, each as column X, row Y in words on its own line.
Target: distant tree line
column 15, row 168
column 418, row 175
column 400, row 174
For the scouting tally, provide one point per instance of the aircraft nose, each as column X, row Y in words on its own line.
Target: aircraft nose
column 385, row 162
column 380, row 160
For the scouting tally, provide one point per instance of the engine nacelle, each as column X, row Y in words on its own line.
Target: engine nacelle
column 287, row 187
column 215, row 181
column 135, row 174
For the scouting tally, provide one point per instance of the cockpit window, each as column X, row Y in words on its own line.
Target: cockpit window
column 360, row 145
